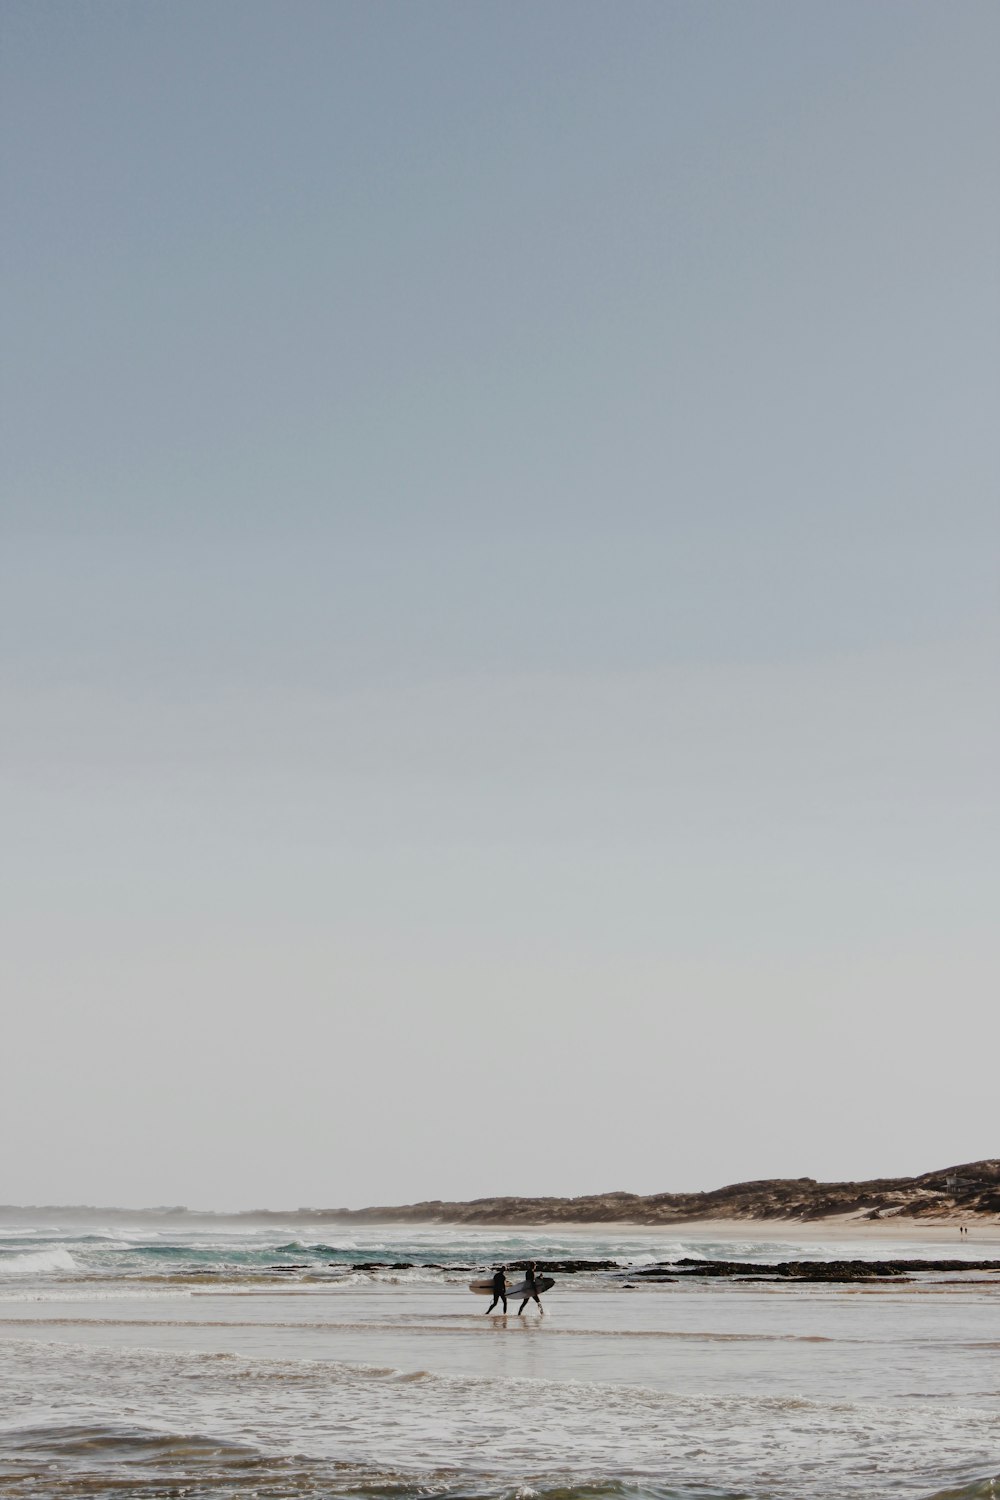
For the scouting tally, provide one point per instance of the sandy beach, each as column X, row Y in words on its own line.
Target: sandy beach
column 840, row 1230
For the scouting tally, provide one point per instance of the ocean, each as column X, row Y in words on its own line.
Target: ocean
column 157, row 1354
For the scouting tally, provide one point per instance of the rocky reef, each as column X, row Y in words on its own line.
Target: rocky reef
column 809, row 1270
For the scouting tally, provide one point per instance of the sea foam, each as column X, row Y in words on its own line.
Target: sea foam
column 37, row 1261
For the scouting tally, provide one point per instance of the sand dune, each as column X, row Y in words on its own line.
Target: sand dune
column 951, row 1195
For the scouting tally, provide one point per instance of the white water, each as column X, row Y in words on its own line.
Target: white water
column 36, row 1263
column 809, row 1392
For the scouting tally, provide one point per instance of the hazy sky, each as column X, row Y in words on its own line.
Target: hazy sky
column 499, row 596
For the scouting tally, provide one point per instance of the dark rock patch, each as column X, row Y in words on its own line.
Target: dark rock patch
column 808, row 1270
column 571, row 1267
column 379, row 1265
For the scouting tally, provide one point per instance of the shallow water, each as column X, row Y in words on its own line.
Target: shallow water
column 155, row 1359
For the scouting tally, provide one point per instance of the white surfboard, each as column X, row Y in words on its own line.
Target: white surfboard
column 485, row 1288
column 542, row 1284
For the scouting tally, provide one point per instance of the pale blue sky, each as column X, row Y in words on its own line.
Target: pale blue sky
column 498, row 591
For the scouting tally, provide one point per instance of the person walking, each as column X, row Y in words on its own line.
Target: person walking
column 499, row 1290
column 532, row 1291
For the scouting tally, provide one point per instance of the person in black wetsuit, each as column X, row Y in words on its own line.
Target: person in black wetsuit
column 532, row 1292
column 499, row 1290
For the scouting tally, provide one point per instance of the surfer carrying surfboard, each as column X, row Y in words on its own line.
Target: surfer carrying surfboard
column 530, row 1290
column 499, row 1290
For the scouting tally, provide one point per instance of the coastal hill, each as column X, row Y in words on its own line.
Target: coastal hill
column 968, row 1191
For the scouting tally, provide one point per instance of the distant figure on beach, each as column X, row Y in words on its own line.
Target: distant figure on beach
column 499, row 1290
column 532, row 1292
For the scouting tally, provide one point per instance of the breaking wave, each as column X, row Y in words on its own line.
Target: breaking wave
column 36, row 1261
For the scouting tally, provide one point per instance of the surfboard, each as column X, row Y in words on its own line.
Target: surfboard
column 542, row 1284
column 485, row 1288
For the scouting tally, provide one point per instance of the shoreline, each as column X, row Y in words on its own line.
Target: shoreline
column 835, row 1228
column 941, row 1229
column 940, row 1232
